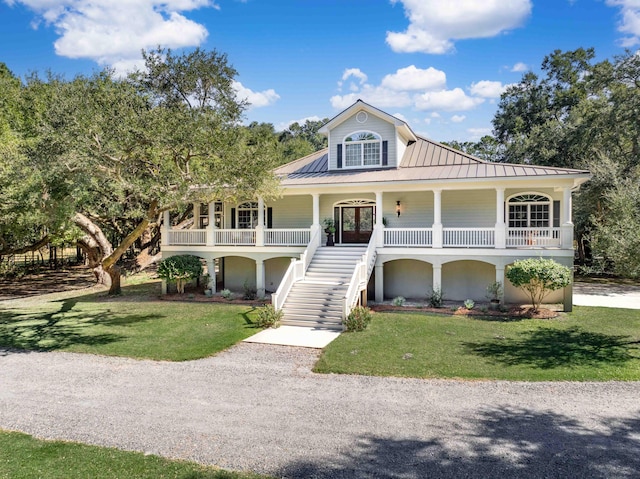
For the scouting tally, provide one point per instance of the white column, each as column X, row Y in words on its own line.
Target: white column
column 379, row 217
column 211, row 271
column 379, row 270
column 260, row 227
column 437, row 277
column 196, row 216
column 166, row 226
column 437, row 220
column 211, row 229
column 566, row 230
column 260, row 280
column 315, row 226
column 500, row 279
column 501, row 231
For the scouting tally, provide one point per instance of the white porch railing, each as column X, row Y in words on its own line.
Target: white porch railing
column 408, row 237
column 533, row 237
column 296, row 271
column 287, row 237
column 360, row 275
column 468, row 237
column 188, row 237
column 235, row 237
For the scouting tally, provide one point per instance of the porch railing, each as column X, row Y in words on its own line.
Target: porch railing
column 234, row 237
column 188, row 237
column 532, row 237
column 408, row 237
column 287, row 237
column 360, row 276
column 468, row 237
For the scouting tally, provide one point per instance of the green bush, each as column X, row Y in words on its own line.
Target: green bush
column 398, row 301
column 358, row 319
column 538, row 277
column 268, row 317
column 435, row 298
column 180, row 270
column 226, row 294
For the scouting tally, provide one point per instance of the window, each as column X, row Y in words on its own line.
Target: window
column 529, row 211
column 362, row 148
column 248, row 215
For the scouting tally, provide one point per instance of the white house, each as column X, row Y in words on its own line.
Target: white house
column 411, row 215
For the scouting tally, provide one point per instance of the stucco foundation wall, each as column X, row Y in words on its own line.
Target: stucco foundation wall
column 274, row 270
column 466, row 280
column 408, row 278
column 516, row 295
column 236, row 271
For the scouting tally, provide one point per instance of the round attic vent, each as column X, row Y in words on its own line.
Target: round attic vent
column 362, row 117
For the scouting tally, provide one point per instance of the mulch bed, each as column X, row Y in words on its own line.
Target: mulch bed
column 514, row 312
column 201, row 298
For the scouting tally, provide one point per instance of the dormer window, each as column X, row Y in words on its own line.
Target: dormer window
column 362, row 148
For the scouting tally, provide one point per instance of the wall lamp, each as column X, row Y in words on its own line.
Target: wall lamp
column 398, row 208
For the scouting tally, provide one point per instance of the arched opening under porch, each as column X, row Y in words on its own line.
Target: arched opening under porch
column 409, row 278
column 467, row 279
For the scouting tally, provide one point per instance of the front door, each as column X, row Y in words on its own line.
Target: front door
column 356, row 224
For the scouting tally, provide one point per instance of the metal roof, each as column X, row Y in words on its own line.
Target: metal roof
column 423, row 160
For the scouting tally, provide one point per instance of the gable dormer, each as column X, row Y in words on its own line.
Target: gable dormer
column 363, row 137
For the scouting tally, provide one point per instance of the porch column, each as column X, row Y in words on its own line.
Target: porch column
column 211, row 271
column 315, row 226
column 211, row 228
column 501, row 232
column 166, row 225
column 260, row 227
column 566, row 230
column 379, row 270
column 437, row 277
column 260, row 278
column 500, row 279
column 379, row 223
column 437, row 220
column 196, row 216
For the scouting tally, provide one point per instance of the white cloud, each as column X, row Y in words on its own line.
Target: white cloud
column 630, row 20
column 477, row 133
column 378, row 96
column 434, row 24
column 400, row 116
column 256, row 99
column 458, row 118
column 412, row 78
column 520, row 67
column 356, row 73
column 113, row 33
column 487, row 89
column 447, row 100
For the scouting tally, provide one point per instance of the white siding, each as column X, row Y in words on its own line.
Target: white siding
column 292, row 211
column 385, row 129
column 416, row 209
column 470, row 209
column 408, row 278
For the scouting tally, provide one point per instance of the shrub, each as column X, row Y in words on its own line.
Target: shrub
column 494, row 290
column 226, row 294
column 469, row 303
column 269, row 317
column 538, row 277
column 398, row 301
column 435, row 298
column 358, row 319
column 249, row 292
column 180, row 270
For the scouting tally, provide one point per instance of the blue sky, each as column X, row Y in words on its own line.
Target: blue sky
column 439, row 65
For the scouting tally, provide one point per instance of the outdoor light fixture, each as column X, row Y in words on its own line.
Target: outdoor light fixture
column 398, row 207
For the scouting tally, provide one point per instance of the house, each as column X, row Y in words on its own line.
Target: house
column 411, row 215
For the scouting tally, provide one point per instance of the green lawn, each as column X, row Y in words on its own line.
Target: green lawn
column 134, row 325
column 590, row 344
column 23, row 457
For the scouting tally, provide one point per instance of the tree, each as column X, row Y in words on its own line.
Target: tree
column 487, row 148
column 180, row 270
column 538, row 277
column 109, row 155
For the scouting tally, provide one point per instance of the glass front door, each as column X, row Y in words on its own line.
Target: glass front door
column 357, row 224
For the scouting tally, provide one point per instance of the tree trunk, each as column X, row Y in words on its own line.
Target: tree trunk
column 114, row 275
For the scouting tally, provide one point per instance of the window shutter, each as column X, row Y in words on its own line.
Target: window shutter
column 233, row 218
column 385, row 153
column 269, row 217
column 556, row 214
column 339, row 157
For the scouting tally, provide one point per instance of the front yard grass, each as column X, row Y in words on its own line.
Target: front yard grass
column 590, row 344
column 136, row 326
column 23, row 457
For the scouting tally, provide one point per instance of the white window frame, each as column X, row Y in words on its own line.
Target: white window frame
column 361, row 144
column 252, row 208
column 535, row 200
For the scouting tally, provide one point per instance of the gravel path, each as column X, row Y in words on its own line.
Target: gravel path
column 260, row 408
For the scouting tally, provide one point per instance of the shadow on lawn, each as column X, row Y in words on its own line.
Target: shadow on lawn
column 50, row 331
column 499, row 442
column 549, row 348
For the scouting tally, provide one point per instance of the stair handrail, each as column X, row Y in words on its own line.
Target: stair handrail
column 296, row 271
column 360, row 275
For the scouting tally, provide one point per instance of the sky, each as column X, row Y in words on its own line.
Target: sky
column 439, row 65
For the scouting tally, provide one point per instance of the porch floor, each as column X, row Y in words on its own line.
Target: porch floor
column 295, row 336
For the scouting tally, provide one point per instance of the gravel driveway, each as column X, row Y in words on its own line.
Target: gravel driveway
column 258, row 407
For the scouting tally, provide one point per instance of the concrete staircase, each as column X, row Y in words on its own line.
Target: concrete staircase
column 317, row 300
